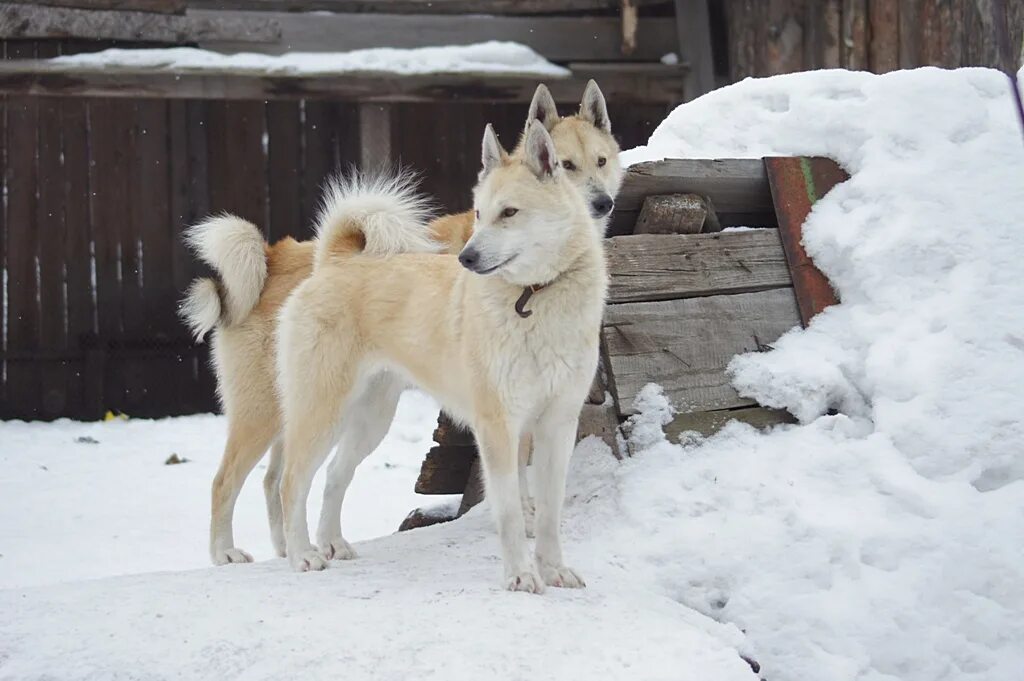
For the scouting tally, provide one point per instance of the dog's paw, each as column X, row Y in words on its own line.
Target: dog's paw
column 525, row 580
column 338, row 549
column 231, row 555
column 561, row 576
column 309, row 560
column 529, row 515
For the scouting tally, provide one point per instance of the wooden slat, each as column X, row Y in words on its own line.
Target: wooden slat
column 884, row 53
column 797, row 183
column 50, row 249
column 668, row 266
column 620, row 83
column 4, row 407
column 557, row 38
column 855, row 28
column 942, row 32
column 284, row 170
column 110, row 146
column 237, row 163
column 910, row 35
column 685, row 345
column 159, row 6
column 81, row 309
column 319, row 160
column 738, row 188
column 693, row 25
column 21, row 181
column 32, row 21
column 525, row 7
column 783, row 47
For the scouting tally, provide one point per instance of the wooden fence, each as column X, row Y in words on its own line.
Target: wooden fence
column 782, row 36
column 96, row 193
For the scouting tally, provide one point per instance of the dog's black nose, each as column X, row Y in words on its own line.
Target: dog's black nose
column 602, row 205
column 469, row 257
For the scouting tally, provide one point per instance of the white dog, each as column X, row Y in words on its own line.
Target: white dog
column 505, row 337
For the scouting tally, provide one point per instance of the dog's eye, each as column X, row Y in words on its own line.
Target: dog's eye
column 601, row 160
column 568, row 165
column 509, row 212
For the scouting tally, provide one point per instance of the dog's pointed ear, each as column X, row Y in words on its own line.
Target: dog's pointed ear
column 542, row 108
column 493, row 154
column 539, row 151
column 593, row 107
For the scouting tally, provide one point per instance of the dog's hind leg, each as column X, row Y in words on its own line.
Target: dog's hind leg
column 272, row 492
column 367, row 421
column 248, row 440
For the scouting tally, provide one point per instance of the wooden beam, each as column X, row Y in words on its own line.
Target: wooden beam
column 652, row 267
column 20, row 77
column 738, row 189
column 797, row 184
column 676, row 214
column 158, row 6
column 374, row 135
column 31, row 21
column 693, row 28
column 513, row 7
column 708, row 423
column 685, row 345
column 557, row 38
column 446, row 469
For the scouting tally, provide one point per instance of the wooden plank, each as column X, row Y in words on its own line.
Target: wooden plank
column 855, row 37
column 21, row 180
column 707, row 423
column 521, row 7
column 910, row 37
column 284, row 170
column 5, row 408
column 50, row 249
column 738, row 188
column 620, row 83
column 685, row 345
column 32, row 21
column 319, row 160
column 110, row 146
column 557, row 38
column 237, row 161
column 832, row 17
column 783, row 48
column 81, row 309
column 797, row 183
column 942, row 32
column 158, row 6
column 693, row 25
column 884, row 52
column 669, row 266
column 374, row 135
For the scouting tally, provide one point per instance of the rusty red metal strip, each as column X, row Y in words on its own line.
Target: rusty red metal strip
column 796, row 184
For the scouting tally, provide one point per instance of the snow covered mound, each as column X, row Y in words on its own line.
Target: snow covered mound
column 491, row 57
column 881, row 543
column 925, row 244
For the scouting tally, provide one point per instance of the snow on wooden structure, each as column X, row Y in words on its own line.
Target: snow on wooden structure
column 682, row 305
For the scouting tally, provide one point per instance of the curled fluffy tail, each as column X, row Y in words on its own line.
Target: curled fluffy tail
column 235, row 248
column 378, row 214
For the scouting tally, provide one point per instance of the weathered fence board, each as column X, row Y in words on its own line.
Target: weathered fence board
column 32, row 21
column 648, row 267
column 685, row 345
column 557, row 38
column 525, row 7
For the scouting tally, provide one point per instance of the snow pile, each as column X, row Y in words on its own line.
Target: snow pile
column 878, row 543
column 494, row 57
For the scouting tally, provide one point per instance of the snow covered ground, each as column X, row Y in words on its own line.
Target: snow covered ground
column 879, row 544
column 494, row 57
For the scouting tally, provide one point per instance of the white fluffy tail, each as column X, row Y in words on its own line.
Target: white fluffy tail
column 378, row 214
column 235, row 248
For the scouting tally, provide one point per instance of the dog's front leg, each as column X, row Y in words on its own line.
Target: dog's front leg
column 554, row 439
column 525, row 448
column 499, row 453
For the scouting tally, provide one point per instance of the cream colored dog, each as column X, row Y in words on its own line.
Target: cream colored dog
column 505, row 337
column 253, row 280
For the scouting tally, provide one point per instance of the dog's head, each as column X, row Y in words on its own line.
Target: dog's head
column 526, row 210
column 586, row 149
